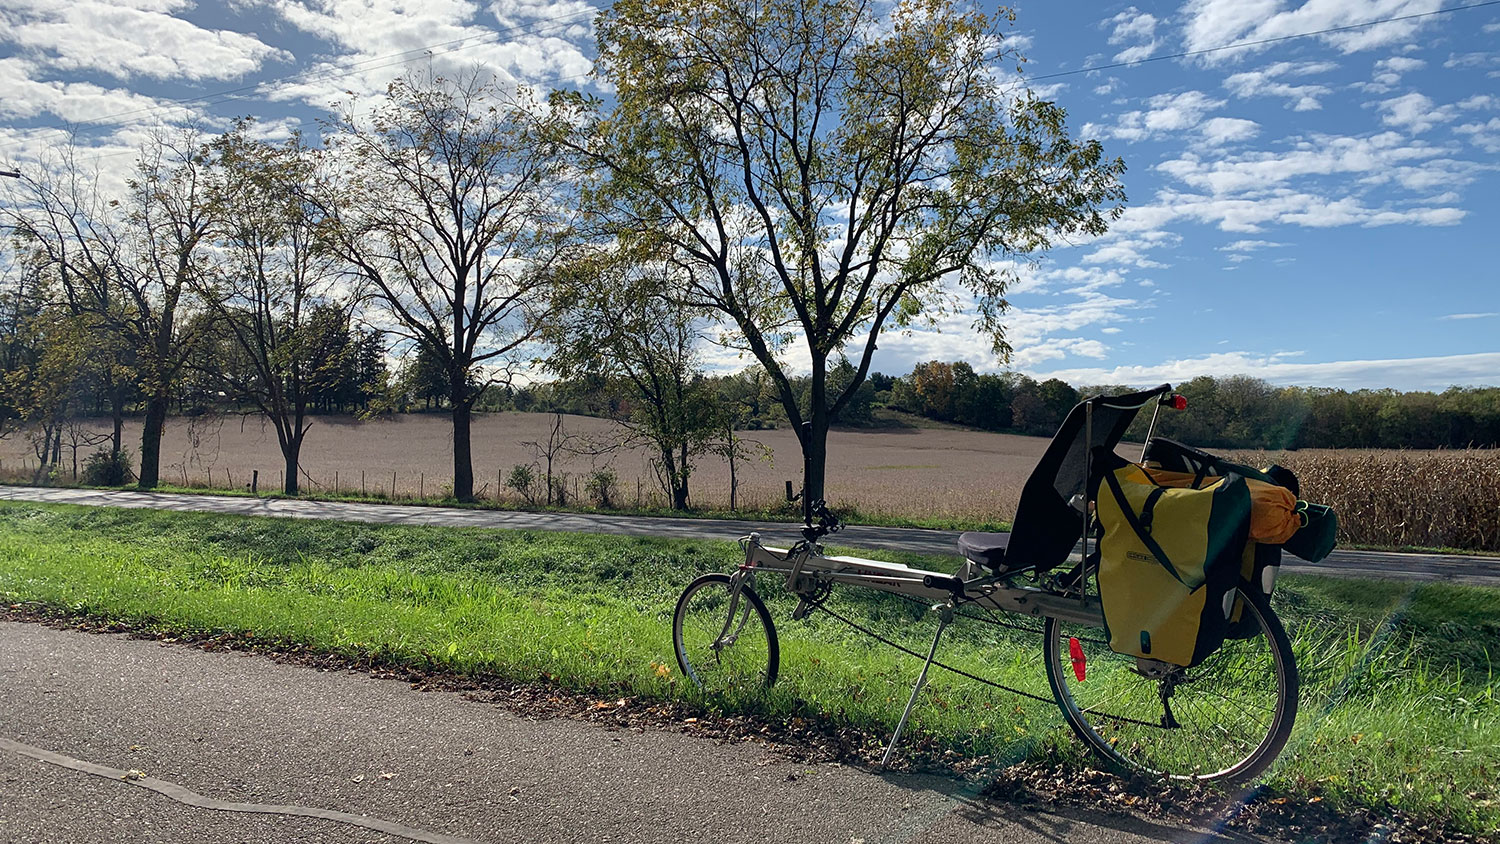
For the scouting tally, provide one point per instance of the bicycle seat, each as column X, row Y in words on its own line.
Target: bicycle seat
column 986, row 549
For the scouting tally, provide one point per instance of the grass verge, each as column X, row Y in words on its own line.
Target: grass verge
column 1399, row 713
column 789, row 514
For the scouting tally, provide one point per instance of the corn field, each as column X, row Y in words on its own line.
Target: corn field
column 1442, row 498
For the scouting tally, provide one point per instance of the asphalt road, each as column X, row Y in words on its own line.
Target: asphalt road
column 242, row 730
column 1481, row 571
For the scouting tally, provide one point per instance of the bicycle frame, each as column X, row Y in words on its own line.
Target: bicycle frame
column 807, row 570
column 809, row 573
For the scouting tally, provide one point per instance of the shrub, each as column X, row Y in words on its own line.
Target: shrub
column 522, row 480
column 105, row 468
column 602, row 487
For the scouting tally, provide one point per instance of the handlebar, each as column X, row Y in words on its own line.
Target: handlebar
column 827, row 521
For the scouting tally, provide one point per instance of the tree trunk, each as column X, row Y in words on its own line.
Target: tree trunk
column 815, row 436
column 117, row 417
column 734, row 484
column 151, row 431
column 291, row 452
column 463, row 462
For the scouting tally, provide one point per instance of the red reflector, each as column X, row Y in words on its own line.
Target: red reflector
column 1075, row 652
column 1179, row 402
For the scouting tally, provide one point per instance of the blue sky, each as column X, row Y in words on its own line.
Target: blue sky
column 1318, row 210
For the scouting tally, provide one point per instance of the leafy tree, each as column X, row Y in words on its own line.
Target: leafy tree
column 933, row 383
column 78, row 238
column 273, row 292
column 823, row 174
column 449, row 205
column 617, row 319
column 171, row 219
column 424, row 378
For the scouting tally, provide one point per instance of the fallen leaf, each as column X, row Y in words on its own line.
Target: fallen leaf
column 387, row 775
column 357, row 778
column 133, row 775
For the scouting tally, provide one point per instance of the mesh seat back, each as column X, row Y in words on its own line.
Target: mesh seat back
column 1049, row 517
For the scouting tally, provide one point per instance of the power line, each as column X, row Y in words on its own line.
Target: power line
column 1278, row 38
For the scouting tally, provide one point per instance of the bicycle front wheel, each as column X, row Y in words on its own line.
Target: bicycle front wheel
column 724, row 643
column 1226, row 719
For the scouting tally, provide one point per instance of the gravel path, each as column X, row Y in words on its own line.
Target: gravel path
column 1480, row 571
column 244, row 729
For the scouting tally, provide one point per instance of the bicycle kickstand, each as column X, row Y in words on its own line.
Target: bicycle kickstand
column 945, row 615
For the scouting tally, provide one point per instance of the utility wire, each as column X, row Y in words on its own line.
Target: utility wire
column 1279, row 38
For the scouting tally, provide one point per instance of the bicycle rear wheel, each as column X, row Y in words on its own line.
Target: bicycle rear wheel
column 1226, row 719
column 724, row 644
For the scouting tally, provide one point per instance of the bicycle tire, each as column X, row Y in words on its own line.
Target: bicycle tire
column 1229, row 726
column 752, row 657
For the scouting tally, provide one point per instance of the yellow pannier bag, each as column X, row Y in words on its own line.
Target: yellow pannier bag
column 1273, row 519
column 1169, row 560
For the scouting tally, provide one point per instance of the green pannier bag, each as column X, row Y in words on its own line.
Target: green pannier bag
column 1169, row 560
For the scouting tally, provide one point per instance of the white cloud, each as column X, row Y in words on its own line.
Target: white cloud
column 1056, row 349
column 131, row 39
column 1400, row 64
column 1164, row 114
column 1132, row 24
column 1471, row 60
column 1471, row 316
column 1425, row 373
column 1248, row 246
column 1265, row 83
column 533, row 43
column 1252, row 214
column 1213, row 23
column 1414, row 112
column 1218, row 131
column 1132, row 251
column 1486, row 136
column 1317, row 155
column 26, row 96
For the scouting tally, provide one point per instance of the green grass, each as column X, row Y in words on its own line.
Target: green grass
column 1399, row 710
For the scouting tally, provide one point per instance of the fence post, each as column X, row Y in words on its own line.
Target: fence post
column 393, row 484
column 335, row 482
column 255, row 481
column 362, row 492
column 422, row 485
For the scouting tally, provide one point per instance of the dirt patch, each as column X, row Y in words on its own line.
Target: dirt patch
column 1043, row 784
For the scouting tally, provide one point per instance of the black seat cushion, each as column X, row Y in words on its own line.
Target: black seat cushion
column 986, row 549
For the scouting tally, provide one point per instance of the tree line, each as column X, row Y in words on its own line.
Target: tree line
column 1237, row 411
column 785, row 180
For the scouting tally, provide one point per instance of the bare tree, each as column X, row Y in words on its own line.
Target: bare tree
column 273, row 292
column 449, row 204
